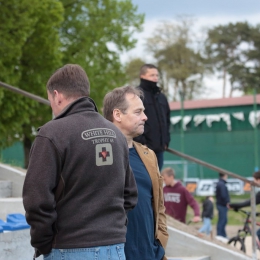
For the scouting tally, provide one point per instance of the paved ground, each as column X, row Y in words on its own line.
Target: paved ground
column 232, row 231
column 193, row 229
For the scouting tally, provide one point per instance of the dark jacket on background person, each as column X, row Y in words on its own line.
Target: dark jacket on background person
column 207, row 209
column 157, row 127
column 90, row 155
column 176, row 200
column 245, row 203
column 222, row 195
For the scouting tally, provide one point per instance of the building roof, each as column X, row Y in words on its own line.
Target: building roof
column 220, row 102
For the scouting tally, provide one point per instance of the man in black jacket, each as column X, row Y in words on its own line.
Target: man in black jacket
column 222, row 201
column 157, row 127
column 79, row 185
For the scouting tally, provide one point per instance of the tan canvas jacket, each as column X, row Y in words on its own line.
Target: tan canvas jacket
column 150, row 161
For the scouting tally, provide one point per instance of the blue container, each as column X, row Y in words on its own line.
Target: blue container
column 16, row 218
column 7, row 226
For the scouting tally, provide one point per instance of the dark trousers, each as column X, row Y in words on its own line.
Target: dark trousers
column 222, row 220
column 159, row 156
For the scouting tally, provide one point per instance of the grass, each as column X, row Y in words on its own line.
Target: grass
column 234, row 218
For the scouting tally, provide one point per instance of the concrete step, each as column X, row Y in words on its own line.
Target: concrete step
column 9, row 206
column 5, row 188
column 190, row 258
column 187, row 246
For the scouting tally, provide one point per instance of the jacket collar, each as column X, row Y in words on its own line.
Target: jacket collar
column 149, row 86
column 222, row 180
column 80, row 104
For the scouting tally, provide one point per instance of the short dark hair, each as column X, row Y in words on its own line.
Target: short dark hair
column 168, row 171
column 221, row 175
column 71, row 80
column 116, row 99
column 145, row 67
column 256, row 175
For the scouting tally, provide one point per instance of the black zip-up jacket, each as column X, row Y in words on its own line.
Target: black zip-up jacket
column 90, row 155
column 157, row 127
column 208, row 209
column 222, row 195
column 245, row 203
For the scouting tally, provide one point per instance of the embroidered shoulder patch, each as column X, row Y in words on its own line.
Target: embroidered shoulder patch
column 104, row 154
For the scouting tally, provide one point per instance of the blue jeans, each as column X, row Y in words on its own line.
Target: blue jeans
column 110, row 252
column 159, row 156
column 258, row 234
column 206, row 227
column 222, row 220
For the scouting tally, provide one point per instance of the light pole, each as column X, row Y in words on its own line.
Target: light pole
column 181, row 92
column 182, row 121
column 255, row 132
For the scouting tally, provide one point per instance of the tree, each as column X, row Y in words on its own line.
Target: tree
column 30, row 35
column 38, row 36
column 93, row 35
column 179, row 63
column 225, row 49
column 251, row 74
column 132, row 71
column 173, row 48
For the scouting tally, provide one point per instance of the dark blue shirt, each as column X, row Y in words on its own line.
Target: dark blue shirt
column 140, row 237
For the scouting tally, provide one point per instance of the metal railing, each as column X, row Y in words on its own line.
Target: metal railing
column 25, row 93
column 220, row 170
column 182, row 155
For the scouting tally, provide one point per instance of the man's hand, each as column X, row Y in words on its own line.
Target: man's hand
column 196, row 219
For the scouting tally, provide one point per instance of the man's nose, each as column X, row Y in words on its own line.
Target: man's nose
column 144, row 117
column 156, row 78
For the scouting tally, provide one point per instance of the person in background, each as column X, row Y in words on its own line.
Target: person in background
column 147, row 235
column 247, row 203
column 156, row 133
column 222, row 201
column 177, row 198
column 207, row 215
column 79, row 185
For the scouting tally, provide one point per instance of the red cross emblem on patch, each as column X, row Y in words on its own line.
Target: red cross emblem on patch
column 104, row 154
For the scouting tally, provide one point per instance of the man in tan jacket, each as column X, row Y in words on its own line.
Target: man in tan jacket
column 147, row 235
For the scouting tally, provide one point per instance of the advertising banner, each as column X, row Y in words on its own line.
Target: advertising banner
column 207, row 187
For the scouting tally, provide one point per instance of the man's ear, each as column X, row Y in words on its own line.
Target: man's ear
column 117, row 115
column 59, row 97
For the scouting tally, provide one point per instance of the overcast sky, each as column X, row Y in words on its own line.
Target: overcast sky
column 206, row 13
column 170, row 8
